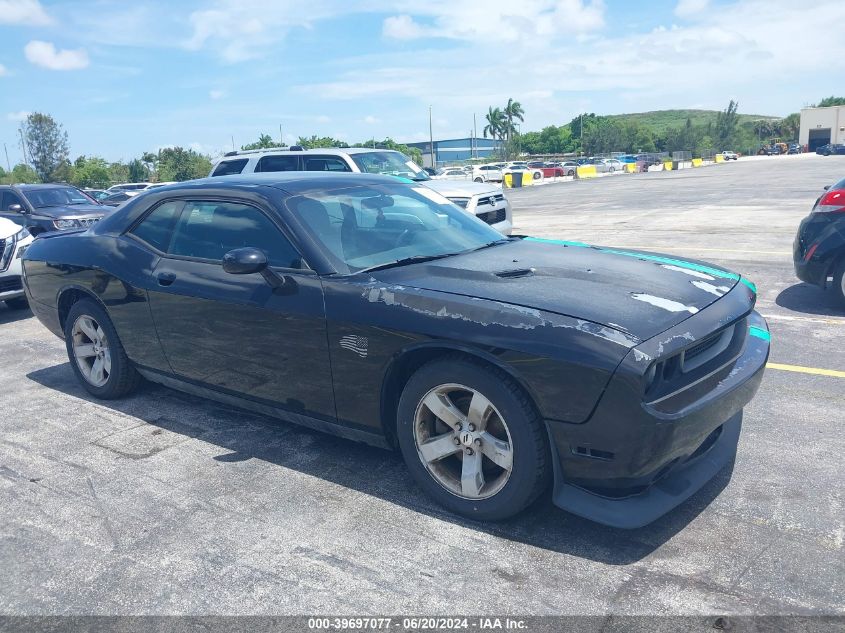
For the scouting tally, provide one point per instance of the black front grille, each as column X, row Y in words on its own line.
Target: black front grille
column 491, row 200
column 10, row 284
column 493, row 217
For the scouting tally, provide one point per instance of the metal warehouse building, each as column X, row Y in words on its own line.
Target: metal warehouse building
column 820, row 126
column 456, row 149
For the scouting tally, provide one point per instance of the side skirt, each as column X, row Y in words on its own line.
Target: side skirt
column 373, row 439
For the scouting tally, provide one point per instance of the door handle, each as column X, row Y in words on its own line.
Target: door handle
column 165, row 279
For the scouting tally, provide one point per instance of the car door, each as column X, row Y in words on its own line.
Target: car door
column 235, row 333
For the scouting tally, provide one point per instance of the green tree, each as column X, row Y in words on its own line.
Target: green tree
column 46, row 144
column 90, row 172
column 314, row 141
column 265, row 141
column 178, row 163
column 602, row 136
column 411, row 152
column 20, row 174
column 118, row 172
column 513, row 111
column 496, row 124
column 831, row 101
column 138, row 171
column 726, row 126
column 790, row 125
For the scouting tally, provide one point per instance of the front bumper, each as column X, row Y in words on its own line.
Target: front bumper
column 633, row 461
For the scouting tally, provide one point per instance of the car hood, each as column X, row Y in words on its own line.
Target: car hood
column 8, row 228
column 73, row 211
column 641, row 294
column 459, row 188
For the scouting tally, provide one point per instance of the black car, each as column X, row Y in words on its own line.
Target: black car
column 373, row 308
column 819, row 248
column 830, row 149
column 42, row 208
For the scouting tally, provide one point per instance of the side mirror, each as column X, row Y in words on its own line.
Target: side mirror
column 16, row 208
column 826, row 187
column 244, row 261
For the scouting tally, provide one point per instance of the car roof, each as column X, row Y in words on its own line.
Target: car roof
column 30, row 187
column 281, row 151
column 290, row 181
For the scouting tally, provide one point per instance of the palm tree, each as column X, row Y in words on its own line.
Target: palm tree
column 513, row 112
column 495, row 123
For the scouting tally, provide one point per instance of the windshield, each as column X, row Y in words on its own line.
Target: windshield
column 368, row 226
column 390, row 163
column 56, row 197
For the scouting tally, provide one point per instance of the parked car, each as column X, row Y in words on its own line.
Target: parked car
column 608, row 165
column 729, row 155
column 14, row 240
column 452, row 173
column 553, row 170
column 488, row 173
column 479, row 198
column 118, row 198
column 137, row 186
column 568, row 167
column 627, row 158
column 831, row 149
column 96, row 194
column 818, row 251
column 373, row 308
column 794, row 148
column 42, row 208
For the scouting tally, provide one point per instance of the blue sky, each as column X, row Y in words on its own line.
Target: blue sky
column 128, row 77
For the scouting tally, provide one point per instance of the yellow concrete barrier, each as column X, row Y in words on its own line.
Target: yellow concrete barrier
column 586, row 171
column 507, row 181
column 697, row 162
column 719, row 158
column 667, row 165
column 630, row 168
column 527, row 180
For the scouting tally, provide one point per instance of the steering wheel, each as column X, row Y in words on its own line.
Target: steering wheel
column 404, row 238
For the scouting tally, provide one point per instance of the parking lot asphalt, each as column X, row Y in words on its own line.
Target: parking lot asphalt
column 166, row 504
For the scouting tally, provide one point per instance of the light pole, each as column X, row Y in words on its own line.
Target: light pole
column 431, row 141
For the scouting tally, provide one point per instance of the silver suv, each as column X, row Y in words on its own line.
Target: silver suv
column 483, row 200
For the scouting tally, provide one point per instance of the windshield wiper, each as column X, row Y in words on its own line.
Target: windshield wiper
column 414, row 259
column 489, row 244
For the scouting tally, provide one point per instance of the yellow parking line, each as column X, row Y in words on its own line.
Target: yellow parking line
column 807, row 370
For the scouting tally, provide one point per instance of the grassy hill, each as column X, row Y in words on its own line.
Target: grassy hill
column 660, row 120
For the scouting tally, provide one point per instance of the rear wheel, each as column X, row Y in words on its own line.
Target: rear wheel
column 18, row 303
column 479, row 179
column 96, row 353
column 472, row 440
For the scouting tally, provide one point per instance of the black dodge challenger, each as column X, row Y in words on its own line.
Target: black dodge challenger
column 373, row 308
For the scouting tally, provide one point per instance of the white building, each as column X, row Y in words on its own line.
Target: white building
column 820, row 126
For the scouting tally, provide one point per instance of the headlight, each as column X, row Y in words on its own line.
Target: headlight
column 66, row 224
column 21, row 235
column 461, row 202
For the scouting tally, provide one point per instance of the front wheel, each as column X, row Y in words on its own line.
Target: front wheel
column 96, row 353
column 479, row 179
column 472, row 440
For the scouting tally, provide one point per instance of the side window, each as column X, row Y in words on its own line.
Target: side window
column 8, row 199
column 278, row 163
column 157, row 228
column 325, row 163
column 229, row 167
column 209, row 230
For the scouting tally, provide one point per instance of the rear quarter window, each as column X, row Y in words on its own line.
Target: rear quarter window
column 278, row 163
column 230, row 167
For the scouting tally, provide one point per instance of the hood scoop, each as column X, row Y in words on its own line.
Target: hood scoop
column 516, row 273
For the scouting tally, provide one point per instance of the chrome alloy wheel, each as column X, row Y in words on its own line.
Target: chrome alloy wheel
column 91, row 350
column 463, row 441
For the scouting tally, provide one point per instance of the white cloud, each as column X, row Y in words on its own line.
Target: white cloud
column 46, row 55
column 3, row 70
column 499, row 20
column 216, row 95
column 23, row 12
column 18, row 116
column 371, row 120
column 688, row 8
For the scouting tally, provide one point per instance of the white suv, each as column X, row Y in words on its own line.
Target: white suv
column 13, row 242
column 483, row 200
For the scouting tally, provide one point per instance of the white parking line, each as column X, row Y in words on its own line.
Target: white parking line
column 784, row 317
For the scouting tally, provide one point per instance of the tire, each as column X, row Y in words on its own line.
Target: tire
column 479, row 179
column 837, row 287
column 18, row 303
column 538, row 175
column 517, row 432
column 117, row 376
column 571, row 172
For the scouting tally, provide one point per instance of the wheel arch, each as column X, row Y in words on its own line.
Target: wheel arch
column 68, row 295
column 409, row 360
